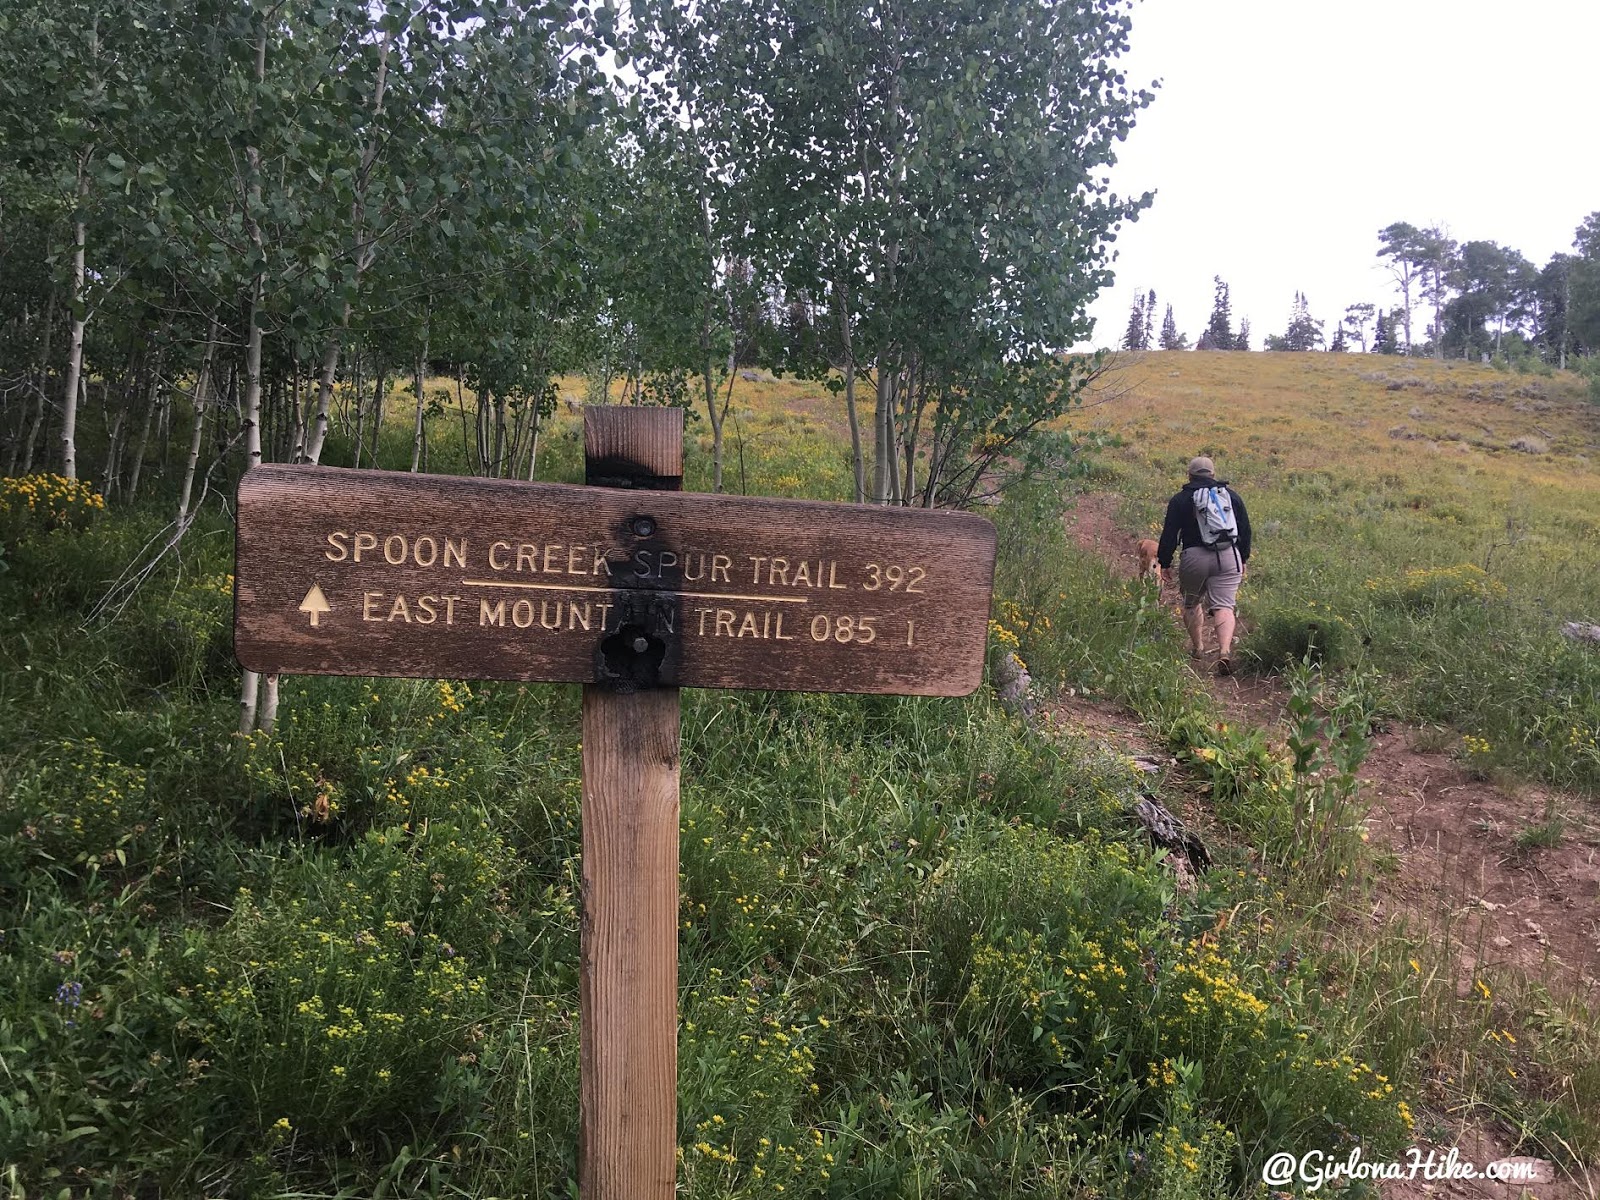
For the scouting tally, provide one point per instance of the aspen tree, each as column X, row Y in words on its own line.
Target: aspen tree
column 69, row 389
column 202, row 383
column 419, row 431
column 964, row 281
column 250, row 683
column 365, row 249
column 31, row 438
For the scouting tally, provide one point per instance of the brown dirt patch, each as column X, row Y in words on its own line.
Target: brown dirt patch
column 1092, row 525
column 1451, row 839
column 1530, row 910
column 1478, row 1147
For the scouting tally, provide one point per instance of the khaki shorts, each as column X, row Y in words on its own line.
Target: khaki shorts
column 1209, row 577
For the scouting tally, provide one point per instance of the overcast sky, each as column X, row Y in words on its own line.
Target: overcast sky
column 1285, row 134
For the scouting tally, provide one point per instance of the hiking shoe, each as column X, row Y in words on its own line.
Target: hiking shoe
column 1225, row 665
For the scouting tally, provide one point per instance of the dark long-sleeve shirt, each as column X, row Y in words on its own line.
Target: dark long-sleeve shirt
column 1182, row 526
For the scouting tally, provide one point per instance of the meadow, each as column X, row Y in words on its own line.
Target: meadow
column 1440, row 521
column 925, row 951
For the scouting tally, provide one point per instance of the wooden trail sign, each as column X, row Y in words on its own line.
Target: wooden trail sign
column 382, row 573
column 633, row 589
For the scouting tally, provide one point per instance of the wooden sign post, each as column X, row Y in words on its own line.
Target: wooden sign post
column 633, row 589
column 628, row 971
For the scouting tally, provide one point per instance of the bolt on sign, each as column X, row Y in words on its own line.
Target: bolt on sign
column 634, row 589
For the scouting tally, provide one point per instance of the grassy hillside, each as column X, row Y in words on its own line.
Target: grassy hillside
column 1439, row 521
column 924, row 950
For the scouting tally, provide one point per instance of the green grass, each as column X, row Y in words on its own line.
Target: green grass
column 1396, row 525
column 924, row 951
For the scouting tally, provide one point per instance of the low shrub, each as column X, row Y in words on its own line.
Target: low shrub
column 339, row 1000
column 188, row 635
column 78, row 807
column 42, row 503
column 1027, row 882
column 746, row 1085
column 1423, row 588
column 1283, row 635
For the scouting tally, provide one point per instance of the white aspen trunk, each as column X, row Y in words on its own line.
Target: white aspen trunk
column 69, row 390
column 706, row 330
column 377, row 424
column 480, row 429
column 880, row 443
column 270, row 413
column 361, row 423
column 31, row 442
column 461, row 408
column 361, row 411
column 15, row 450
column 144, row 437
column 417, row 432
column 533, row 452
column 353, row 393
column 501, row 452
column 39, row 390
column 885, row 467
column 164, row 430
column 269, row 704
column 892, row 438
column 250, row 686
column 252, row 381
column 858, row 465
column 201, row 383
column 917, row 400
column 316, row 435
column 23, row 420
column 716, row 425
column 113, row 442
column 297, row 426
column 250, row 683
column 330, row 365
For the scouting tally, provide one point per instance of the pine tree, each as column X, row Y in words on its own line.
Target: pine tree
column 1338, row 345
column 1382, row 336
column 1149, row 319
column 1219, row 329
column 1305, row 331
column 1242, row 342
column 1134, row 337
column 1171, row 339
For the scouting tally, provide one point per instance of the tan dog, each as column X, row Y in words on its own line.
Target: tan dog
column 1148, row 549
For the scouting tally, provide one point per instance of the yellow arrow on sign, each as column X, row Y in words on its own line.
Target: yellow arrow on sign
column 315, row 604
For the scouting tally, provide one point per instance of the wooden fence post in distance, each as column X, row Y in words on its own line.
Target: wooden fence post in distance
column 628, row 982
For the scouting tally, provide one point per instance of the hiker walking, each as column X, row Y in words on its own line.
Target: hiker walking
column 1208, row 519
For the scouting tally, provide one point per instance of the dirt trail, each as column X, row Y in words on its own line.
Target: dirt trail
column 1458, row 871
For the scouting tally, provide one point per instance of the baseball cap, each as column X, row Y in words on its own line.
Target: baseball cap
column 1202, row 465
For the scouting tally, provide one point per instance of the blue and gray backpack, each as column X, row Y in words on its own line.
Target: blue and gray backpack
column 1213, row 510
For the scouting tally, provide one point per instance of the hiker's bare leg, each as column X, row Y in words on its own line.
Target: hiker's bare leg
column 1222, row 618
column 1194, row 620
